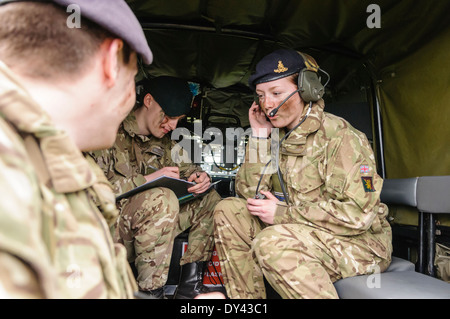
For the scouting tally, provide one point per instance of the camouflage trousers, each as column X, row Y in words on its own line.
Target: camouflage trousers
column 297, row 260
column 147, row 227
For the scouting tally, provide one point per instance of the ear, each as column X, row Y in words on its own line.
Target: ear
column 110, row 50
column 148, row 98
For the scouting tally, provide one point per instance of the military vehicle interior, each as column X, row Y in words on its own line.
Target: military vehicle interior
column 389, row 69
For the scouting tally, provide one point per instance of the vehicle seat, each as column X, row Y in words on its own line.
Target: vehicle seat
column 400, row 280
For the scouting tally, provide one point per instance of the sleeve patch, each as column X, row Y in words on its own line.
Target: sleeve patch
column 367, row 182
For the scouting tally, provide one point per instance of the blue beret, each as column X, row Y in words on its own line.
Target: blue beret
column 114, row 16
column 276, row 65
column 172, row 94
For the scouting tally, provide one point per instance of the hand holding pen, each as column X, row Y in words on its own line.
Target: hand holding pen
column 202, row 182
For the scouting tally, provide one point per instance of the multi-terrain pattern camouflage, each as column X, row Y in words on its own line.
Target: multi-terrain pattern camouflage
column 133, row 156
column 54, row 240
column 150, row 221
column 148, row 225
column 329, row 171
column 235, row 230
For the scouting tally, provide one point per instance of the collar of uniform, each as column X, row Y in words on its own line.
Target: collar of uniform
column 68, row 168
column 294, row 145
column 131, row 127
column 66, row 165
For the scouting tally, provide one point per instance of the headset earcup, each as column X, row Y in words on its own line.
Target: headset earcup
column 140, row 95
column 311, row 90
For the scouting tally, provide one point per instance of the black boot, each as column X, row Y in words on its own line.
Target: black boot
column 151, row 294
column 191, row 281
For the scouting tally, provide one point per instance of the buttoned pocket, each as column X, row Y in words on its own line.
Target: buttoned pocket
column 307, row 176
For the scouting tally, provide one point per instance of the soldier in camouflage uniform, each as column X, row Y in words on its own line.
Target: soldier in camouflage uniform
column 150, row 220
column 56, row 205
column 332, row 225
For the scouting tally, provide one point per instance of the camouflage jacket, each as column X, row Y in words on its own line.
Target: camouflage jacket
column 55, row 203
column 329, row 171
column 133, row 156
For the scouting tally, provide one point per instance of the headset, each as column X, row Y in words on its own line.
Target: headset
column 309, row 85
column 140, row 94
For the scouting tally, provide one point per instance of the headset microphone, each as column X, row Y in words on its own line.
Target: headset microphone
column 272, row 114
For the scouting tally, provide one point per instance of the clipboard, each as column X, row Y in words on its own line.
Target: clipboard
column 178, row 186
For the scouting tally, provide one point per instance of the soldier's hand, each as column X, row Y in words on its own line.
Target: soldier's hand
column 263, row 208
column 167, row 171
column 261, row 127
column 202, row 182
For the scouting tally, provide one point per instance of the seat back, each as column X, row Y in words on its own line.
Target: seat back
column 430, row 194
column 401, row 191
column 433, row 194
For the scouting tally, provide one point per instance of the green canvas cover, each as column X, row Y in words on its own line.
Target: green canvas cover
column 405, row 62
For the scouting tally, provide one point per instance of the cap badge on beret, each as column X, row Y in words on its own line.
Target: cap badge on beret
column 281, row 68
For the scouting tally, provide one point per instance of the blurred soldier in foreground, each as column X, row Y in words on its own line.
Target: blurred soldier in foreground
column 63, row 91
column 327, row 221
column 149, row 221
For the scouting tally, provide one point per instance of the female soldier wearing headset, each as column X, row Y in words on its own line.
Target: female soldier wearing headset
column 331, row 223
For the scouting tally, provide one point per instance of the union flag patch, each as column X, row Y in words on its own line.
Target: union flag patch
column 367, row 182
column 364, row 169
